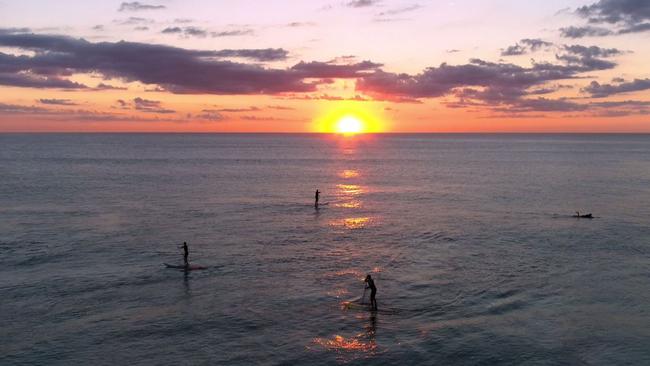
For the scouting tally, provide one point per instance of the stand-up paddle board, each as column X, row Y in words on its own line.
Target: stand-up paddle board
column 356, row 306
column 191, row 267
column 357, row 303
column 360, row 305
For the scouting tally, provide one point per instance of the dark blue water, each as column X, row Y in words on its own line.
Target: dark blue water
column 470, row 240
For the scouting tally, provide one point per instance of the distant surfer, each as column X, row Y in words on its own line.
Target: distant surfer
column 370, row 284
column 316, row 197
column 186, row 253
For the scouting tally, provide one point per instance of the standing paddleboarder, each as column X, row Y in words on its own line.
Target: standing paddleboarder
column 186, row 253
column 317, row 197
column 370, row 284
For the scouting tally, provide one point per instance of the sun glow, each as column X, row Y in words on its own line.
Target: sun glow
column 350, row 118
column 349, row 125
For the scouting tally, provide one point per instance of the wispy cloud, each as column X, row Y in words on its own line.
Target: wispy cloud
column 525, row 46
column 133, row 21
column 586, row 31
column 202, row 33
column 57, row 101
column 300, row 24
column 138, row 6
column 362, row 3
column 148, row 106
column 400, row 10
column 233, row 33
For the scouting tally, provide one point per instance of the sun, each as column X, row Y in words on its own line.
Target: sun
column 349, row 125
column 349, row 118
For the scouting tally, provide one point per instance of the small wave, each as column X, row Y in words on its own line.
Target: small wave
column 506, row 307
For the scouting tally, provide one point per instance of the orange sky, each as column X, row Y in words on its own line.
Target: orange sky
column 397, row 66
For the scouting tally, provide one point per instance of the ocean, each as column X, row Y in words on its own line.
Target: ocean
column 470, row 239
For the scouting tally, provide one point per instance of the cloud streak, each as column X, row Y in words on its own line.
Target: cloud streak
column 362, row 3
column 402, row 10
column 586, row 31
column 203, row 33
column 138, row 6
column 57, row 102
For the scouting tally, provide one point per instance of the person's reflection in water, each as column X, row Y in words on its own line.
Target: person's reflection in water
column 186, row 281
column 371, row 328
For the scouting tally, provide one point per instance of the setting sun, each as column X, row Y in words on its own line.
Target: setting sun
column 350, row 118
column 349, row 125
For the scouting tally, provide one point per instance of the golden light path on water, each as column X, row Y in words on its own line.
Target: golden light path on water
column 350, row 189
column 349, row 195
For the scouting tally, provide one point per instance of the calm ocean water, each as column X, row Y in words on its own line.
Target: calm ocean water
column 470, row 239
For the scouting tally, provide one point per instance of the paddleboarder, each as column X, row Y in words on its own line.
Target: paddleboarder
column 317, row 197
column 186, row 253
column 370, row 284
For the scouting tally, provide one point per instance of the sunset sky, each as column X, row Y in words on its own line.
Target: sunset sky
column 300, row 66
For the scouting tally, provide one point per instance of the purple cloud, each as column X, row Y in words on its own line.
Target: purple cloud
column 626, row 16
column 616, row 11
column 598, row 90
column 586, row 31
column 493, row 85
column 331, row 70
column 57, row 101
column 175, row 69
column 525, row 46
column 138, row 6
column 149, row 106
column 362, row 3
column 233, row 33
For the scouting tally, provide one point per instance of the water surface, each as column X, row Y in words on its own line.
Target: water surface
column 469, row 238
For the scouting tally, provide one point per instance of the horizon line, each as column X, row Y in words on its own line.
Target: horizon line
column 319, row 133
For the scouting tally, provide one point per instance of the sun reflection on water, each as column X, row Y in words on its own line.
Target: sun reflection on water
column 347, row 272
column 338, row 293
column 350, row 189
column 340, row 343
column 353, row 223
column 349, row 173
column 349, row 204
column 356, row 222
column 361, row 345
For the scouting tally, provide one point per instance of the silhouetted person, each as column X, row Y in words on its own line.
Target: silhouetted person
column 186, row 253
column 373, row 291
column 317, row 197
